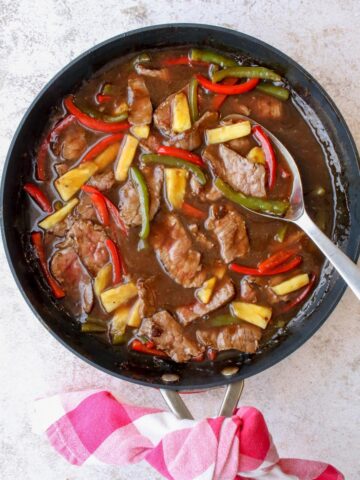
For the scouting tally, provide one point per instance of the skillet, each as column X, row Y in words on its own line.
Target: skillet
column 342, row 161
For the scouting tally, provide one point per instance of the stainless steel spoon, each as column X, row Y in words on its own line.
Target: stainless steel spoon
column 297, row 214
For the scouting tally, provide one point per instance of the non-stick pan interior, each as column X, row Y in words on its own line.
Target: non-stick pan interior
column 326, row 123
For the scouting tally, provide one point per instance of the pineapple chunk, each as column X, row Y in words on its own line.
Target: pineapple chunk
column 219, row 271
column 175, row 179
column 292, row 284
column 107, row 156
column 228, row 132
column 71, row 182
column 102, row 279
column 140, row 131
column 123, row 107
column 256, row 155
column 204, row 293
column 120, row 319
column 181, row 119
column 127, row 154
column 255, row 314
column 134, row 319
column 119, row 295
column 59, row 215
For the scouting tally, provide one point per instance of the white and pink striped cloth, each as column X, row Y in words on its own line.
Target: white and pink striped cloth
column 92, row 426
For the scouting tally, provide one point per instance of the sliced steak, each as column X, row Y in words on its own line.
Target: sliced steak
column 61, row 168
column 139, row 101
column 147, row 296
column 200, row 237
column 89, row 243
column 244, row 337
column 150, row 144
column 129, row 202
column 103, row 181
column 193, row 138
column 68, row 270
column 170, row 337
column 85, row 209
column 230, row 229
column 248, row 291
column 236, row 170
column 73, row 143
column 207, row 193
column 223, row 293
column 174, row 250
column 159, row 73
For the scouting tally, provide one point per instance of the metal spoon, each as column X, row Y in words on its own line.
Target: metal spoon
column 297, row 214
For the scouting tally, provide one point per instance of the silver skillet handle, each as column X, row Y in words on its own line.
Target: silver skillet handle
column 177, row 406
column 346, row 268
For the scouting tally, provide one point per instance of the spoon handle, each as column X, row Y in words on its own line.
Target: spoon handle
column 346, row 268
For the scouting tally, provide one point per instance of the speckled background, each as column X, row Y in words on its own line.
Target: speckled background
column 311, row 400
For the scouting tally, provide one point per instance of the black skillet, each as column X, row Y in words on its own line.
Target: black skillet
column 339, row 149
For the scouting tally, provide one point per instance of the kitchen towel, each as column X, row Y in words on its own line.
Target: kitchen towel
column 93, row 426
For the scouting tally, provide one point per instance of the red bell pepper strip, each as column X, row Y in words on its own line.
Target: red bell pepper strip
column 276, row 259
column 143, row 348
column 101, row 208
column 219, row 99
column 37, row 241
column 183, row 60
column 45, row 144
column 94, row 123
column 301, row 297
column 270, row 157
column 100, row 98
column 181, row 153
column 39, row 196
column 286, row 267
column 211, row 354
column 100, row 146
column 227, row 89
column 114, row 212
column 192, row 211
column 116, row 261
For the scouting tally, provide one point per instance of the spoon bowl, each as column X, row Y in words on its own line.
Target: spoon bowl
column 297, row 214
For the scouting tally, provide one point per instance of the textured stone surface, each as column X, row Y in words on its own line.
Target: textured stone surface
column 311, row 400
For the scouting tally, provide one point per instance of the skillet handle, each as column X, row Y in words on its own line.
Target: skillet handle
column 177, row 406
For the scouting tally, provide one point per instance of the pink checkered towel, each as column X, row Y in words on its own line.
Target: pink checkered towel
column 92, row 425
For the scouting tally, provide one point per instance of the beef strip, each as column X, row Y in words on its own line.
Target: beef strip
column 147, row 295
column 192, row 138
column 139, row 101
column 223, row 293
column 230, row 229
column 89, row 242
column 61, row 168
column 248, row 290
column 129, row 202
column 207, row 193
column 159, row 73
column 268, row 107
column 174, row 250
column 241, row 174
column 244, row 337
column 151, row 144
column 170, row 337
column 72, row 143
column 103, row 181
column 200, row 237
column 68, row 270
column 85, row 209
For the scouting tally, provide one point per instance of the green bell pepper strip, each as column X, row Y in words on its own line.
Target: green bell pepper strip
column 90, row 327
column 211, row 57
column 280, row 93
column 103, row 116
column 193, row 99
column 143, row 192
column 275, row 207
column 222, row 320
column 246, row 72
column 174, row 162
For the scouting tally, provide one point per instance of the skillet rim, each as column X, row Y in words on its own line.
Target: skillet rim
column 330, row 301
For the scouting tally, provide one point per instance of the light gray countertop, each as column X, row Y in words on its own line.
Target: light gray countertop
column 311, row 400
